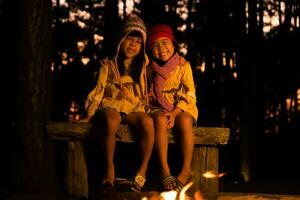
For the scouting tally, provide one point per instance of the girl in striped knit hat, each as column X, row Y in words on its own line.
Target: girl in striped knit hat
column 120, row 97
column 172, row 98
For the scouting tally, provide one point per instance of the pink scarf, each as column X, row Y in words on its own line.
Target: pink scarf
column 162, row 74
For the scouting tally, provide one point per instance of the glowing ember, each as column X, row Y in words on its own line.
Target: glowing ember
column 211, row 174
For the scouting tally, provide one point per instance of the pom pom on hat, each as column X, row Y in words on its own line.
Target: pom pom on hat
column 160, row 30
column 133, row 23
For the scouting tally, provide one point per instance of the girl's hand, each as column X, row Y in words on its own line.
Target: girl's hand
column 171, row 116
column 170, row 119
column 84, row 120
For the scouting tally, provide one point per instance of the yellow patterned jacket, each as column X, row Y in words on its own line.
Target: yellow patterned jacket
column 179, row 90
column 117, row 92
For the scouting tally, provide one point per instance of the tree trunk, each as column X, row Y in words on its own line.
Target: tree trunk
column 34, row 159
column 251, row 97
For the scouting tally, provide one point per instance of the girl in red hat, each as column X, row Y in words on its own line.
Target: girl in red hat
column 172, row 101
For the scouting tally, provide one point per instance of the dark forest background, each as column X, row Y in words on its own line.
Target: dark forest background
column 246, row 69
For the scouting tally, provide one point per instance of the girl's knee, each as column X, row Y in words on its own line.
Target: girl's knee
column 112, row 119
column 184, row 119
column 147, row 122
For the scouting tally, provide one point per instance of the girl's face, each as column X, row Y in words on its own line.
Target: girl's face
column 131, row 46
column 162, row 48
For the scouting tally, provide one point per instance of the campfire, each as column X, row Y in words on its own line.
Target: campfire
column 174, row 195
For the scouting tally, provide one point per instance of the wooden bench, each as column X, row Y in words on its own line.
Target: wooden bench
column 205, row 157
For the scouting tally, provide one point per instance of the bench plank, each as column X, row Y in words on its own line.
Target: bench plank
column 75, row 131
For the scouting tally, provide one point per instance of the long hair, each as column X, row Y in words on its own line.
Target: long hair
column 137, row 62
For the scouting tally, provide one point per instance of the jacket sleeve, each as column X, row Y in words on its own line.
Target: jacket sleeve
column 95, row 97
column 186, row 96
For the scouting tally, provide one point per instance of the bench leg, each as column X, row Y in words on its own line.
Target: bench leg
column 76, row 172
column 205, row 159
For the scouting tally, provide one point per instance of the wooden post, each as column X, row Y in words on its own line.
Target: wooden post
column 205, row 158
column 77, row 177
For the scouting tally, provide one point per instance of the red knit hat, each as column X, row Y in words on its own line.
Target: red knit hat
column 160, row 30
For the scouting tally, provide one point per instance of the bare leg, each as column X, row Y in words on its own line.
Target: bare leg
column 184, row 124
column 161, row 141
column 144, row 125
column 112, row 121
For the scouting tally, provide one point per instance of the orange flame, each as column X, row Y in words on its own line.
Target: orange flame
column 212, row 174
column 174, row 195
